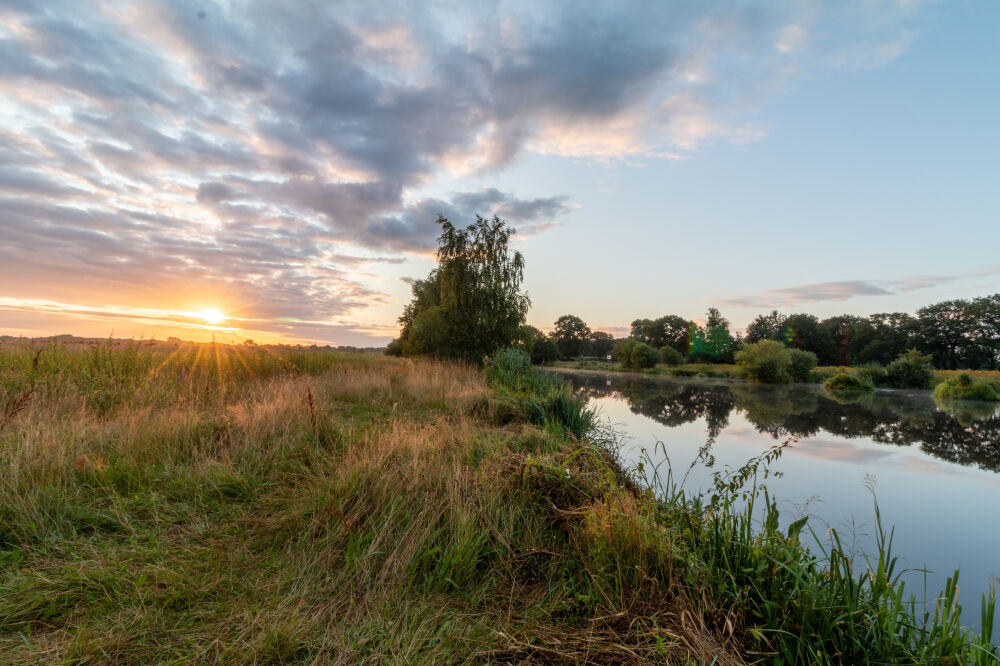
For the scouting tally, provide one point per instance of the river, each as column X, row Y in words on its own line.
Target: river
column 934, row 468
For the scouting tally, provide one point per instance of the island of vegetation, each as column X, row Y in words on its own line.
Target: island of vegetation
column 210, row 503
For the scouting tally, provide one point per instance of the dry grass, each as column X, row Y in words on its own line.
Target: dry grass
column 363, row 510
column 235, row 506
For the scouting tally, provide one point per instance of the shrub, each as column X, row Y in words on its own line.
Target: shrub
column 635, row 355
column 964, row 387
column 843, row 382
column 671, row 356
column 802, row 363
column 873, row 372
column 545, row 351
column 766, row 361
column 910, row 370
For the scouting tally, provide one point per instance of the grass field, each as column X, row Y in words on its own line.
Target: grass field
column 241, row 505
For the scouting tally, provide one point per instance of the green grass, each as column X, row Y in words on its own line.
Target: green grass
column 209, row 504
column 964, row 387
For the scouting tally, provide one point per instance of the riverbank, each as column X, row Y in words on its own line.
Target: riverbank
column 232, row 505
column 730, row 371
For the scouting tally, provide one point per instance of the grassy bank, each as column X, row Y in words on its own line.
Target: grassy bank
column 731, row 371
column 214, row 504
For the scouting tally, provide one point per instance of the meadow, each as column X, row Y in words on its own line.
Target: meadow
column 204, row 503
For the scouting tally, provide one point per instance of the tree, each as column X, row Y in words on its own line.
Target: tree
column 667, row 330
column 943, row 332
column 910, row 370
column 711, row 343
column 545, row 351
column 984, row 333
column 766, row 327
column 766, row 361
column 471, row 304
column 570, row 334
column 601, row 343
column 634, row 354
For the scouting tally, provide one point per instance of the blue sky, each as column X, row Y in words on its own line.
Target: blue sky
column 285, row 163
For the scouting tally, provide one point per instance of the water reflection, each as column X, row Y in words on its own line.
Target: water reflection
column 963, row 433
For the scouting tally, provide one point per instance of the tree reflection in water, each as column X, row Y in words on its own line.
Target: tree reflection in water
column 958, row 432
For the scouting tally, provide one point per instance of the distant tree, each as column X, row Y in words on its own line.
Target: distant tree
column 802, row 331
column 527, row 336
column 570, row 334
column 667, row 330
column 766, row 361
column 471, row 304
column 910, row 370
column 802, row 363
column 837, row 332
column 711, row 343
column 984, row 332
column 943, row 331
column 670, row 356
column 766, row 327
column 601, row 343
column 883, row 337
column 635, row 355
column 544, row 351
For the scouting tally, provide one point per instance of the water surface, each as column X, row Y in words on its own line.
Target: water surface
column 935, row 468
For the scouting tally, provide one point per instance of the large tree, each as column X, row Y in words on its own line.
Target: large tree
column 669, row 330
column 471, row 304
column 766, row 327
column 570, row 334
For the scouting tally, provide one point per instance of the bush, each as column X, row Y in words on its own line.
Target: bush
column 910, row 370
column 635, row 355
column 964, row 387
column 802, row 363
column 843, row 382
column 545, row 351
column 873, row 372
column 670, row 356
column 766, row 361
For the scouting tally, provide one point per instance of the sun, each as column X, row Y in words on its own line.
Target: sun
column 211, row 315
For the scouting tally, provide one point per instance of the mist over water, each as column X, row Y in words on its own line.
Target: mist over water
column 934, row 467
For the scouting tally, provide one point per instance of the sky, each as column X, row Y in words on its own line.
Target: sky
column 274, row 170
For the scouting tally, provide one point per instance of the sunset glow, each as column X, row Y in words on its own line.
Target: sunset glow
column 233, row 166
column 212, row 315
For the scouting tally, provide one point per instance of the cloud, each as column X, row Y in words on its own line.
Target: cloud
column 848, row 289
column 272, row 149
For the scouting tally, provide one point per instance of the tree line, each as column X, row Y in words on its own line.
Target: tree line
column 471, row 305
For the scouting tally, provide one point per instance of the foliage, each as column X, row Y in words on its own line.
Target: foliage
column 847, row 383
column 667, row 330
column 711, row 343
column 873, row 373
column 471, row 304
column 601, row 343
column 541, row 395
column 544, row 351
column 635, row 355
column 964, row 387
column 767, row 361
column 911, row 370
column 570, row 334
column 670, row 356
column 801, row 364
column 766, row 327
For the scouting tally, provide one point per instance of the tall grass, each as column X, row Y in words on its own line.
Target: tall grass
column 171, row 505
